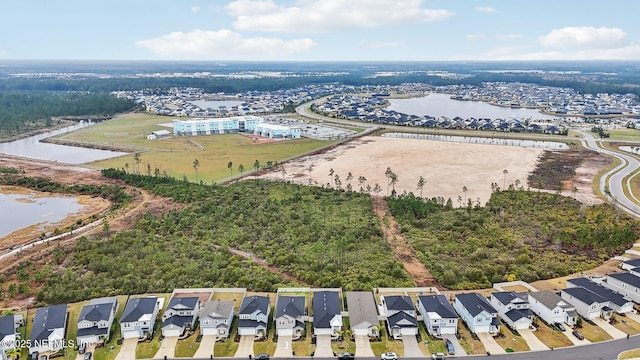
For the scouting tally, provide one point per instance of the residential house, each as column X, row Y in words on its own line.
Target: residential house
column 616, row 302
column 95, row 320
column 363, row 314
column 290, row 315
column 216, row 318
column 9, row 335
column 551, row 308
column 180, row 315
column 327, row 319
column 438, row 315
column 513, row 308
column 630, row 264
column 625, row 284
column 401, row 316
column 48, row 329
column 139, row 317
column 477, row 313
column 253, row 316
column 588, row 304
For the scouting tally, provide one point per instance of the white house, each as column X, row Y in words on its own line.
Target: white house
column 401, row 316
column 95, row 320
column 180, row 315
column 9, row 335
column 216, row 318
column 589, row 305
column 625, row 284
column 363, row 314
column 513, row 308
column 630, row 264
column 551, row 308
column 616, row 302
column 477, row 313
column 48, row 329
column 438, row 315
column 254, row 316
column 327, row 319
column 139, row 317
column 290, row 315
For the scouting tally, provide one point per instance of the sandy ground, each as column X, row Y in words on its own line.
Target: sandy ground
column 446, row 167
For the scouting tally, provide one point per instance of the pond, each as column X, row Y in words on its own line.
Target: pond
column 21, row 210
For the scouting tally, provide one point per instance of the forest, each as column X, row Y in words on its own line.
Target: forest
column 519, row 235
column 319, row 237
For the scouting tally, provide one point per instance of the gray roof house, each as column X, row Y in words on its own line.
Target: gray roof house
column 588, row 304
column 253, row 316
column 513, row 308
column 139, row 317
column 617, row 302
column 48, row 330
column 327, row 319
column 290, row 316
column 477, row 313
column 625, row 284
column 95, row 320
column 552, row 308
column 181, row 313
column 363, row 313
column 216, row 318
column 438, row 315
column 401, row 316
column 9, row 335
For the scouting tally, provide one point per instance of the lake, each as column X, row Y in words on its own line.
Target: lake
column 437, row 105
column 23, row 210
column 31, row 147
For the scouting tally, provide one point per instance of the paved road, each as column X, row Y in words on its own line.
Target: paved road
column 614, row 179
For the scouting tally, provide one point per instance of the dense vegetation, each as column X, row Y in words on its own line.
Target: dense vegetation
column 518, row 235
column 22, row 111
column 321, row 237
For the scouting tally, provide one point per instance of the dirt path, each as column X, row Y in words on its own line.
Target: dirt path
column 401, row 248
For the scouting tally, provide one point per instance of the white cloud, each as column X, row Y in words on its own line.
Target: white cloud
column 485, row 9
column 313, row 16
column 381, row 44
column 222, row 45
column 195, row 9
column 474, row 37
column 585, row 36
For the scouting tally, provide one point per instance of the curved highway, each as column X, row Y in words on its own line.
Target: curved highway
column 616, row 180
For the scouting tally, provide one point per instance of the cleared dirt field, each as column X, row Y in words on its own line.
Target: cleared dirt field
column 446, row 167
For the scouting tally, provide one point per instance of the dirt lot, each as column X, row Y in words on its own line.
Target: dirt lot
column 446, row 167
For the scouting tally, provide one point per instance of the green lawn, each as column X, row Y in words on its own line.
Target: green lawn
column 176, row 156
column 624, row 134
column 188, row 347
column 228, row 347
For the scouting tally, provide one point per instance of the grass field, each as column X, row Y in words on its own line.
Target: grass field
column 176, row 156
column 624, row 134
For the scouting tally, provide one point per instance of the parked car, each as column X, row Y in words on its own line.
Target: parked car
column 438, row 356
column 450, row 349
column 560, row 326
column 577, row 334
column 87, row 356
column 389, row 356
column 82, row 348
column 35, row 355
column 346, row 356
column 262, row 357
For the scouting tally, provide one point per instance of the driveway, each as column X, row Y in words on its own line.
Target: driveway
column 411, row 349
column 490, row 344
column 363, row 347
column 323, row 347
column 167, row 348
column 205, row 350
column 532, row 340
column 610, row 329
column 128, row 349
column 245, row 347
column 456, row 344
column 90, row 348
column 284, row 347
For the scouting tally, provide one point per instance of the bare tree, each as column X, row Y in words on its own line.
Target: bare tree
column 421, row 183
column 196, row 165
column 504, row 181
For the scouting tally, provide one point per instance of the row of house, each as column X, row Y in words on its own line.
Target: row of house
column 238, row 124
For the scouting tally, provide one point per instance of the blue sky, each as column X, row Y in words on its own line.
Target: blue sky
column 320, row 30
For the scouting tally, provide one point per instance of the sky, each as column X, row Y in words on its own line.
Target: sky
column 320, row 30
